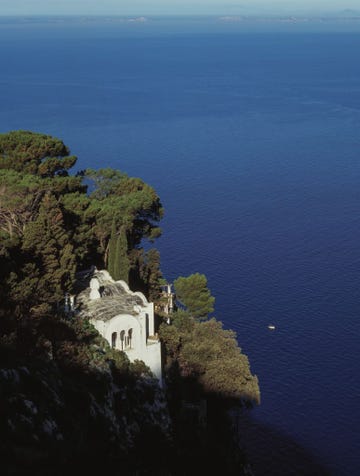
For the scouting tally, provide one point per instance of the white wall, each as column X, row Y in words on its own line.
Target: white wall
column 150, row 353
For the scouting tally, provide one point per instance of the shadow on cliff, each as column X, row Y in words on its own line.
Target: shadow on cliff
column 56, row 417
column 67, row 406
column 231, row 442
column 271, row 452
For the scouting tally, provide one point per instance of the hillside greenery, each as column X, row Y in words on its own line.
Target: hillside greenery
column 69, row 401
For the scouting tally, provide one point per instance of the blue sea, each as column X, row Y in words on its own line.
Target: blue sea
column 251, row 136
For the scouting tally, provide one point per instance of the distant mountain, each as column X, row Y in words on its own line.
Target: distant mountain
column 349, row 12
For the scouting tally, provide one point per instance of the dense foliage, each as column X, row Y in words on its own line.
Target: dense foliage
column 200, row 353
column 68, row 401
column 206, row 358
column 36, row 154
column 53, row 223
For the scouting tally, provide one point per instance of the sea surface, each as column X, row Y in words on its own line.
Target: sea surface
column 251, row 136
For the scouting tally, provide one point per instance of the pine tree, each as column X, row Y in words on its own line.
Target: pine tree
column 35, row 153
column 193, row 293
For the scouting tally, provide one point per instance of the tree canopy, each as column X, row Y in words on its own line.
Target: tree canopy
column 207, row 354
column 53, row 223
column 193, row 293
column 200, row 354
column 34, row 153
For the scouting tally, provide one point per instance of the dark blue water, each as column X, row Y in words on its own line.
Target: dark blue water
column 252, row 141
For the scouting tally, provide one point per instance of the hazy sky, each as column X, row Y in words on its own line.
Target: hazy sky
column 139, row 7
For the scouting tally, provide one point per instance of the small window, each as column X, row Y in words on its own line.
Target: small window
column 147, row 324
column 122, row 339
column 113, row 340
column 130, row 338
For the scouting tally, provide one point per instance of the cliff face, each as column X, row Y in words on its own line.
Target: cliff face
column 89, row 411
column 50, row 425
column 69, row 403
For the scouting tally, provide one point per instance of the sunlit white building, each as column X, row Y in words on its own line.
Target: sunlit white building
column 123, row 317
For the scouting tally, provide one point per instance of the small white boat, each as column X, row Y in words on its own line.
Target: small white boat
column 271, row 327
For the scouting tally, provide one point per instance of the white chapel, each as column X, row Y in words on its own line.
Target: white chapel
column 123, row 317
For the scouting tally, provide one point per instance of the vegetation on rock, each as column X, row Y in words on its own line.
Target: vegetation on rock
column 68, row 401
column 208, row 357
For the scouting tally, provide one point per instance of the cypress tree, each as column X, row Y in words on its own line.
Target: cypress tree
column 154, row 274
column 121, row 264
column 48, row 244
column 112, row 250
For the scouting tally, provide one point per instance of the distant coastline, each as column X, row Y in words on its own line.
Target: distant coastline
column 150, row 25
column 346, row 16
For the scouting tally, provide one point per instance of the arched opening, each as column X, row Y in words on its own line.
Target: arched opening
column 113, row 340
column 122, row 339
column 147, row 325
column 130, row 338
